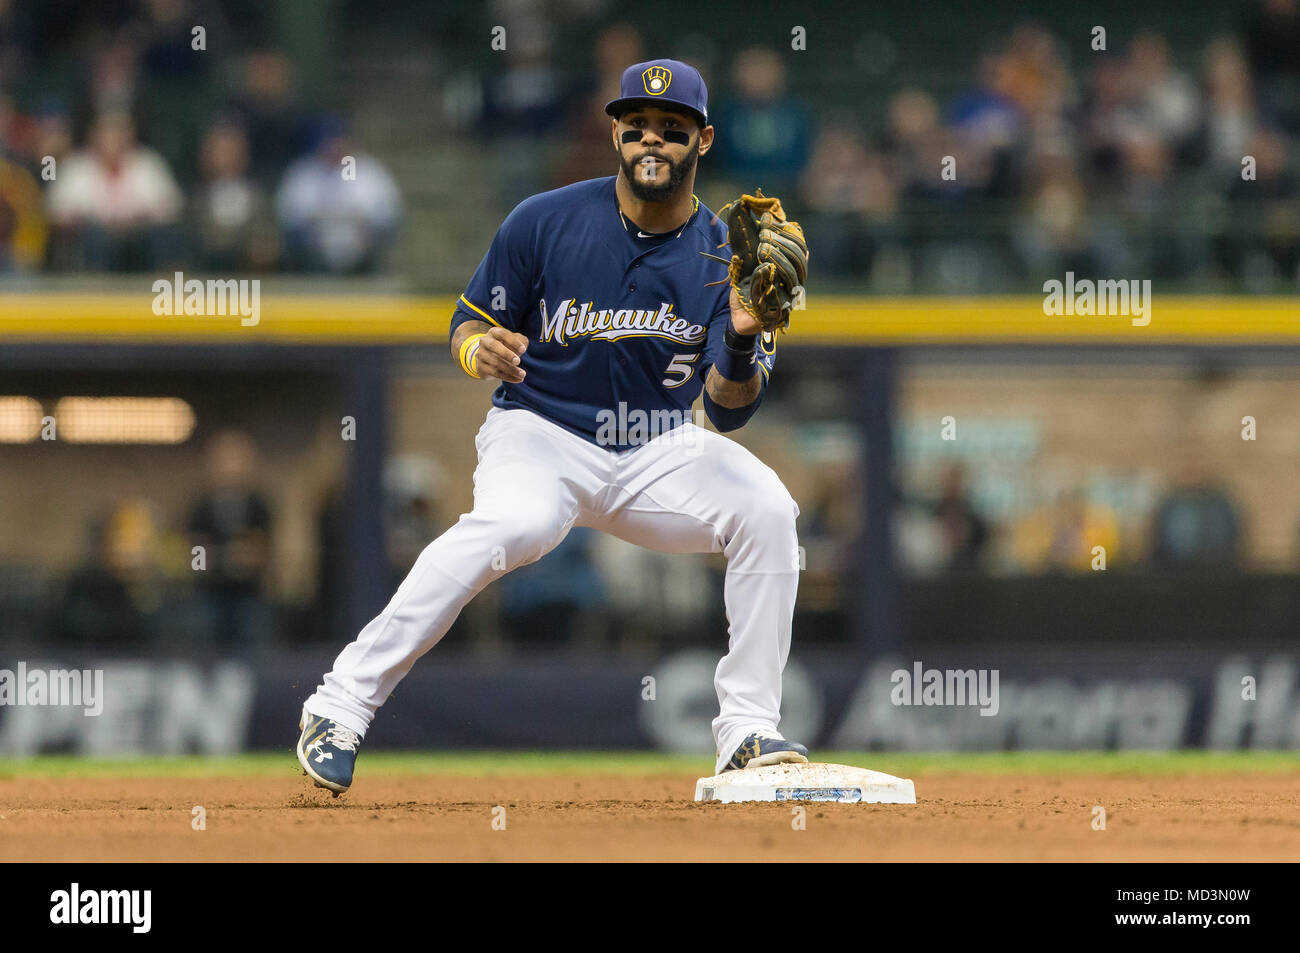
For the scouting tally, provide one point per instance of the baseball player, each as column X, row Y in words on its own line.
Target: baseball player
column 601, row 309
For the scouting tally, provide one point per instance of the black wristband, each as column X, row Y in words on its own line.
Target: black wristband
column 738, row 358
column 739, row 342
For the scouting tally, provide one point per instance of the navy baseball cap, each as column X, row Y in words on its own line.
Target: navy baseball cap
column 659, row 82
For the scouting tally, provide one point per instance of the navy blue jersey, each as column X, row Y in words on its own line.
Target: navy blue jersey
column 617, row 322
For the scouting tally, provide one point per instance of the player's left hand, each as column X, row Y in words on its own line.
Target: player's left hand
column 742, row 320
column 768, row 264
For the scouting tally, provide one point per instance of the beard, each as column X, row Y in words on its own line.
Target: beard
column 677, row 174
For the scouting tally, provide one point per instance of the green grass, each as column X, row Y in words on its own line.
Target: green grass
column 495, row 763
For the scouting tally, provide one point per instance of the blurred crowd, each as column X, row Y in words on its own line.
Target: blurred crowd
column 1194, row 524
column 1129, row 167
column 124, row 147
column 203, row 582
column 1136, row 164
column 200, row 584
column 1129, row 160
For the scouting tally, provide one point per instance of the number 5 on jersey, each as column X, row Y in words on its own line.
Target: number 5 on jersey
column 681, row 364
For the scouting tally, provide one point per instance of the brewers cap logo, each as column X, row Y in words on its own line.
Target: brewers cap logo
column 656, row 80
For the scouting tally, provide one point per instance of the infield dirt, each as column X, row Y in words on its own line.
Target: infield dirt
column 961, row 816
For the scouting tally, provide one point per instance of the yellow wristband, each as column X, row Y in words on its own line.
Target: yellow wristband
column 469, row 354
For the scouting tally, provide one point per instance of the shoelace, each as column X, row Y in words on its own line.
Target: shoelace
column 342, row 738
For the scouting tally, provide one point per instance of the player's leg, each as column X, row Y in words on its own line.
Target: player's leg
column 698, row 491
column 528, row 491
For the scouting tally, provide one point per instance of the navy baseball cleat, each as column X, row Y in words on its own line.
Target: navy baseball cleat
column 757, row 751
column 327, row 752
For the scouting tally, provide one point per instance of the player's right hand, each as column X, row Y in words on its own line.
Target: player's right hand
column 499, row 355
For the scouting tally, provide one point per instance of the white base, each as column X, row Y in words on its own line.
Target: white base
column 806, row 782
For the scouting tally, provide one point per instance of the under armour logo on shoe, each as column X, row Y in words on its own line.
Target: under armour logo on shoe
column 322, row 755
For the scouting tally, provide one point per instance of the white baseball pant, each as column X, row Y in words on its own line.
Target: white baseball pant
column 687, row 491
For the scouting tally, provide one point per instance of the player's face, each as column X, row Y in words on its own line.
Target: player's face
column 658, row 150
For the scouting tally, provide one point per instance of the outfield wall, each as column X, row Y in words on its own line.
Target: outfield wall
column 1044, row 405
column 349, row 318
column 1107, row 699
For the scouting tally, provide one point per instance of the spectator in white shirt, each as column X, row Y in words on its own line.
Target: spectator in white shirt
column 115, row 202
column 338, row 208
